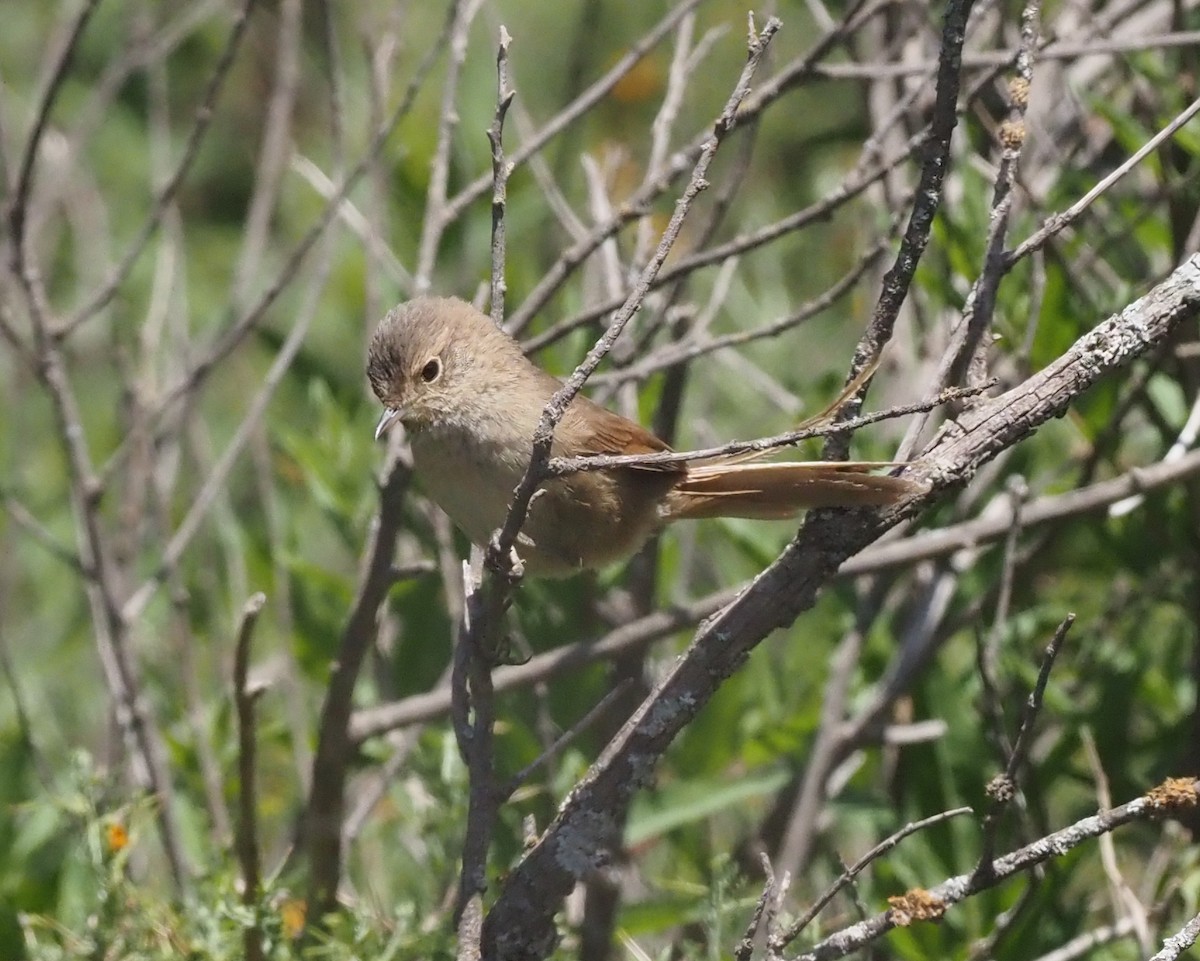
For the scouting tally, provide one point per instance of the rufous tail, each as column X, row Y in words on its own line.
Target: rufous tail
column 778, row 491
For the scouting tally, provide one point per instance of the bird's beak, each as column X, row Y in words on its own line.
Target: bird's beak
column 389, row 417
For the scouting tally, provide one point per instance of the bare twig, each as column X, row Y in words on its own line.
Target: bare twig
column 699, row 346
column 928, row 197
column 166, row 196
column 955, row 890
column 1174, row 946
column 326, row 803
column 475, row 650
column 683, row 63
column 500, row 171
column 1125, row 901
column 474, row 721
column 573, row 111
column 214, row 483
column 796, row 928
column 1002, row 789
column 572, row 465
column 564, row 740
column 829, row 744
column 987, row 654
column 1058, row 222
column 536, row 473
column 18, row 205
column 852, row 186
column 745, row 947
column 623, row 641
column 634, row 207
column 197, row 705
column 1041, row 510
column 967, row 348
column 143, row 739
column 247, row 829
column 1083, row 945
column 371, row 722
column 436, row 216
column 274, row 151
column 23, row 518
column 355, row 220
column 198, row 373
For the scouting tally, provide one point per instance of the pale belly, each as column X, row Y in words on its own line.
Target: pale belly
column 570, row 527
column 472, row 485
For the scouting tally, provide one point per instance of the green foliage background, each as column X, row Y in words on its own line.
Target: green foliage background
column 293, row 518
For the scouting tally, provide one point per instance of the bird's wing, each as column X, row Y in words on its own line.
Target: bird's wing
column 607, row 433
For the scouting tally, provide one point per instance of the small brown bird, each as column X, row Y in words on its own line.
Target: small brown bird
column 470, row 401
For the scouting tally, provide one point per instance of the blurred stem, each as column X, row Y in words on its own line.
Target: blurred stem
column 323, row 821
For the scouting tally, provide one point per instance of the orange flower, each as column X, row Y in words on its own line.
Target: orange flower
column 116, row 835
column 292, row 913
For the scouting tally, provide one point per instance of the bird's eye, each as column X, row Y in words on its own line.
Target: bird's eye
column 431, row 371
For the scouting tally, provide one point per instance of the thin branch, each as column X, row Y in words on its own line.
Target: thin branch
column 957, row 889
column 197, row 703
column 635, row 207
column 623, row 641
column 1126, row 903
column 990, row 59
column 475, row 727
column 326, row 803
column 796, row 928
column 23, row 518
column 475, row 651
column 1174, row 946
column 579, row 107
column 436, row 219
column 934, row 166
column 828, row 746
column 966, row 351
column 854, row 184
column 138, row 53
column 143, row 740
column 249, row 857
column 355, row 221
column 18, row 207
column 274, row 149
column 500, row 171
column 1002, row 789
column 1042, row 510
column 682, row 65
column 572, row 465
column 166, row 196
column 1056, row 223
column 745, row 947
column 682, row 352
column 1084, row 944
column 214, row 484
column 988, row 649
column 564, row 740
column 197, row 375
column 536, row 473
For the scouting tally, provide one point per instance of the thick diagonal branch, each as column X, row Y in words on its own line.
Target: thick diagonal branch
column 521, row 923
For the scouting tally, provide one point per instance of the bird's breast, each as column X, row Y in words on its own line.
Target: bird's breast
column 470, row 477
column 587, row 520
